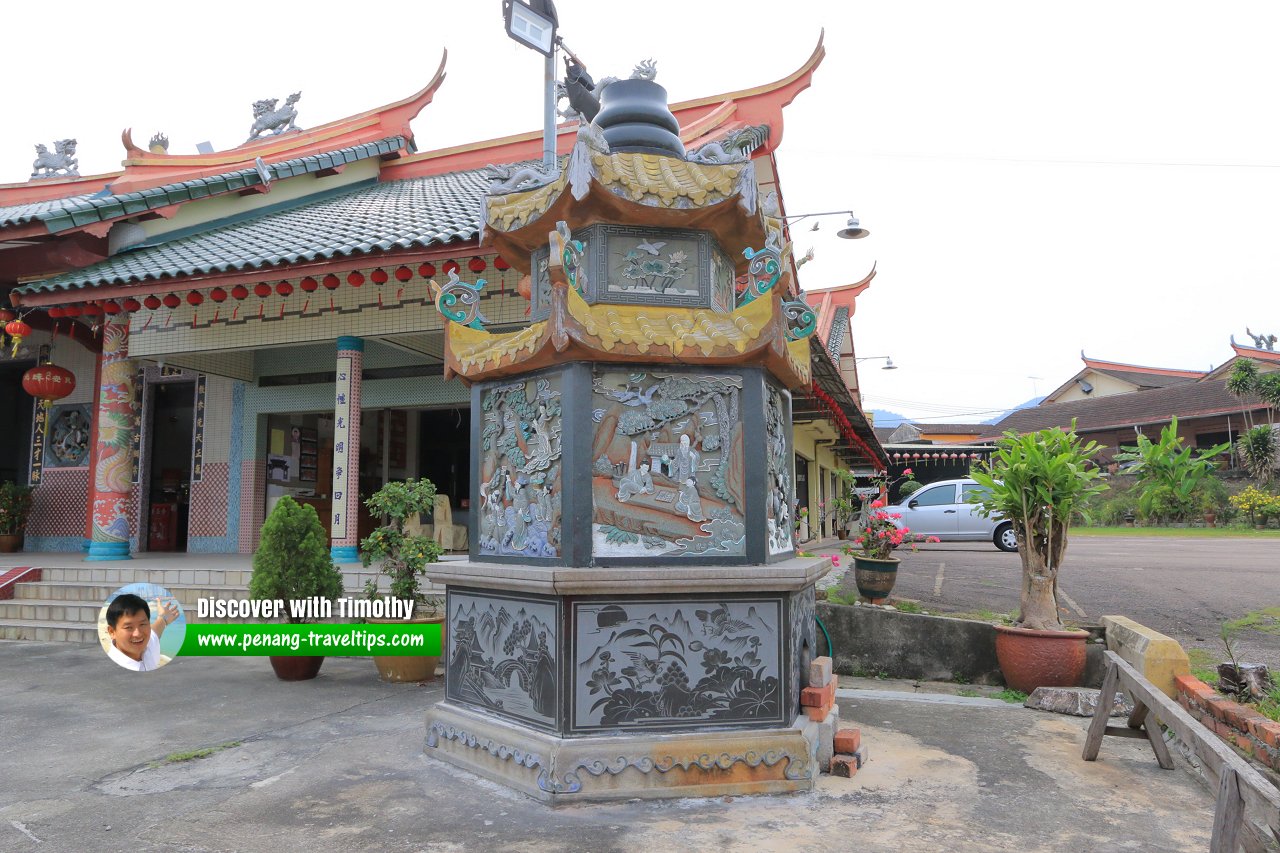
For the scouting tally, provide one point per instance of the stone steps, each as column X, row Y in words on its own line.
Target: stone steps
column 47, row 631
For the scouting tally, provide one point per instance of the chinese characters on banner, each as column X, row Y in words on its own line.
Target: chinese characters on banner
column 37, row 442
column 341, row 447
column 135, row 445
column 197, row 441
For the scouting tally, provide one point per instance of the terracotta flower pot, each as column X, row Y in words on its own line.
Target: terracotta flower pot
column 10, row 542
column 408, row 668
column 296, row 667
column 1030, row 658
column 875, row 578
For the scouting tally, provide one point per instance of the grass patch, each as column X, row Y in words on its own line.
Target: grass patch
column 1266, row 620
column 194, row 754
column 834, row 597
column 1204, row 665
column 1178, row 532
column 1013, row 697
column 982, row 615
column 1270, row 706
column 968, row 693
column 909, row 606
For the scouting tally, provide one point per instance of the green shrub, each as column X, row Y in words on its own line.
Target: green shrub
column 15, row 504
column 404, row 558
column 910, row 487
column 292, row 560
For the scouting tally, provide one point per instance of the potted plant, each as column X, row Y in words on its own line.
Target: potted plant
column 875, row 569
column 404, row 560
column 293, row 562
column 1039, row 482
column 15, row 505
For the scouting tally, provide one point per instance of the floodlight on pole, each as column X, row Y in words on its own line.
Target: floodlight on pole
column 533, row 24
column 853, row 229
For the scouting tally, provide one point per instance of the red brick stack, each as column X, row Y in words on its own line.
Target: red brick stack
column 840, row 751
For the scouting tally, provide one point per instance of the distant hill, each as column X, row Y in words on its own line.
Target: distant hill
column 1034, row 401
column 885, row 418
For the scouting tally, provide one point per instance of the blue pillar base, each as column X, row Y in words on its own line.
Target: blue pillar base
column 108, row 551
column 344, row 554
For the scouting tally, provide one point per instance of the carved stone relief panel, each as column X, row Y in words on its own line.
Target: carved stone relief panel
column 667, row 471
column 651, row 266
column 664, row 663
column 519, row 512
column 722, row 281
column 780, row 490
column 802, row 613
column 502, row 652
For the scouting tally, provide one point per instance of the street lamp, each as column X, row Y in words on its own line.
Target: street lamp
column 888, row 361
column 852, row 230
column 533, row 24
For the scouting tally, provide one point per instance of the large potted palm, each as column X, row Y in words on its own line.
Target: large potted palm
column 1039, row 482
column 292, row 563
column 404, row 560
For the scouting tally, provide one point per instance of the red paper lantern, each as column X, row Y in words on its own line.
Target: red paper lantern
column 54, row 314
column 171, row 300
column 500, row 264
column 331, row 282
column 48, row 382
column 17, row 330
column 284, row 288
column 403, row 273
column 427, row 270
column 111, row 307
column 6, row 315
column 355, row 279
column 477, row 265
column 132, row 304
column 450, row 266
column 239, row 291
column 262, row 289
column 195, row 297
column 309, row 284
column 379, row 276
column 218, row 295
column 92, row 309
column 152, row 302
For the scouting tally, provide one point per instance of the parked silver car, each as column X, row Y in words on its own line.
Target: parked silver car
column 942, row 509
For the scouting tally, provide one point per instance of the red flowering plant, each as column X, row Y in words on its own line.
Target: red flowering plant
column 879, row 532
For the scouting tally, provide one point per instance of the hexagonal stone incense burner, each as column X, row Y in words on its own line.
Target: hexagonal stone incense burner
column 633, row 619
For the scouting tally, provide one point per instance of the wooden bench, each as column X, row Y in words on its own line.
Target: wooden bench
column 1240, row 787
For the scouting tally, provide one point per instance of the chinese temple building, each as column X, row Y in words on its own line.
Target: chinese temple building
column 240, row 325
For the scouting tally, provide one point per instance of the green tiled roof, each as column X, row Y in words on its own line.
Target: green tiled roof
column 76, row 211
column 406, row 214
column 21, row 214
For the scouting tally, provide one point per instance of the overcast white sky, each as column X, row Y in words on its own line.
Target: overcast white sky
column 1038, row 178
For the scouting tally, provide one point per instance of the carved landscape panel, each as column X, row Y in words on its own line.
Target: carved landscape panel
column 667, row 475
column 502, row 654
column 780, row 489
column 646, row 664
column 519, row 513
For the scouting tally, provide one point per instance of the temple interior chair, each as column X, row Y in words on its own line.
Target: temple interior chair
column 452, row 537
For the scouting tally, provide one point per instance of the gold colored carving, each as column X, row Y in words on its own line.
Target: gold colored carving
column 474, row 348
column 798, row 357
column 513, row 210
column 667, row 178
column 644, row 326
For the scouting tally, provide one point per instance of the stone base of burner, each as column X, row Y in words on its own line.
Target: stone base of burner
column 641, row 765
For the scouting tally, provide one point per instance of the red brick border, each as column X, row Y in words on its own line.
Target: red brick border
column 1239, row 725
column 10, row 578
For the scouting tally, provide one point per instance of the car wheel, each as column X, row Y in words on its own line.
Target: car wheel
column 1005, row 538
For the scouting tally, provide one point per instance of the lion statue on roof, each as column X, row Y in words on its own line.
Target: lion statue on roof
column 61, row 163
column 276, row 121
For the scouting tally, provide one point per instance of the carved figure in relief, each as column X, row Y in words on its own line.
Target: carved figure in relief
column 637, row 482
column 684, row 465
column 688, row 501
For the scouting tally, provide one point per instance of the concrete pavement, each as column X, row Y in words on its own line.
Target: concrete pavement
column 337, row 764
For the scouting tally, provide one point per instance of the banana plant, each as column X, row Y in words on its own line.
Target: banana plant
column 1169, row 473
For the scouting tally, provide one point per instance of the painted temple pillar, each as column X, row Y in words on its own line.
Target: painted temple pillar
column 112, row 450
column 633, row 618
column 344, row 522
